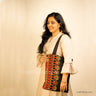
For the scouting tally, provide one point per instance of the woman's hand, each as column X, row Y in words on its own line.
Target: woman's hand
column 63, row 85
column 43, row 59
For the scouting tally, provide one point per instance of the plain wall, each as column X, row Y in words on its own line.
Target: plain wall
column 21, row 27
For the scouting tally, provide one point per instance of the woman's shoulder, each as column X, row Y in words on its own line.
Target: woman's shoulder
column 65, row 38
column 66, row 41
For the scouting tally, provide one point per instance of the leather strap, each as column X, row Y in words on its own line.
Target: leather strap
column 56, row 45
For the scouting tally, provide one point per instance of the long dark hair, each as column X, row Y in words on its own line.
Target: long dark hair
column 47, row 34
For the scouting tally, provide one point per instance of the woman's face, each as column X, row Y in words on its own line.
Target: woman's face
column 53, row 25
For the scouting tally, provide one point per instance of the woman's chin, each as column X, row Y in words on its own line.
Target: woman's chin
column 51, row 31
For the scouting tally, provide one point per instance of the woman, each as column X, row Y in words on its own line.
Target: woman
column 55, row 27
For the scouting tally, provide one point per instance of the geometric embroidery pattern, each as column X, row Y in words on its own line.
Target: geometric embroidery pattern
column 53, row 72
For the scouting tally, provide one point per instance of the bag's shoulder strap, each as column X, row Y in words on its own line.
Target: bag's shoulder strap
column 56, row 45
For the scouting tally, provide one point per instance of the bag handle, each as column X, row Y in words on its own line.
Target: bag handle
column 56, row 46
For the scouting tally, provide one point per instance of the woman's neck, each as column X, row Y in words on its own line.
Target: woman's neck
column 55, row 33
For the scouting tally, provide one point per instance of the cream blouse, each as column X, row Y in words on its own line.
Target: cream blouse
column 64, row 49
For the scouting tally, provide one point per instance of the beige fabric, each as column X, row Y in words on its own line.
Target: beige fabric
column 64, row 49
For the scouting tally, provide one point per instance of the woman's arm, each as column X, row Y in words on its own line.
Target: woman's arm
column 66, row 51
column 41, row 58
column 63, row 85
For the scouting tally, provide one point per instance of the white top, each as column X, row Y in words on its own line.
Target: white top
column 64, row 49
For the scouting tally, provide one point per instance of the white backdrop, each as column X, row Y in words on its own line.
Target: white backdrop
column 21, row 26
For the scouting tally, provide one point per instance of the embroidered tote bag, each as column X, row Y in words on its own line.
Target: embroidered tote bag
column 53, row 69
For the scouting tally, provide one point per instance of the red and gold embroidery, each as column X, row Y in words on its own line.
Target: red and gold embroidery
column 52, row 72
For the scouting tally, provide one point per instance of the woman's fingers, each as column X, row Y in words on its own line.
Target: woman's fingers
column 66, row 87
column 63, row 86
column 43, row 58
